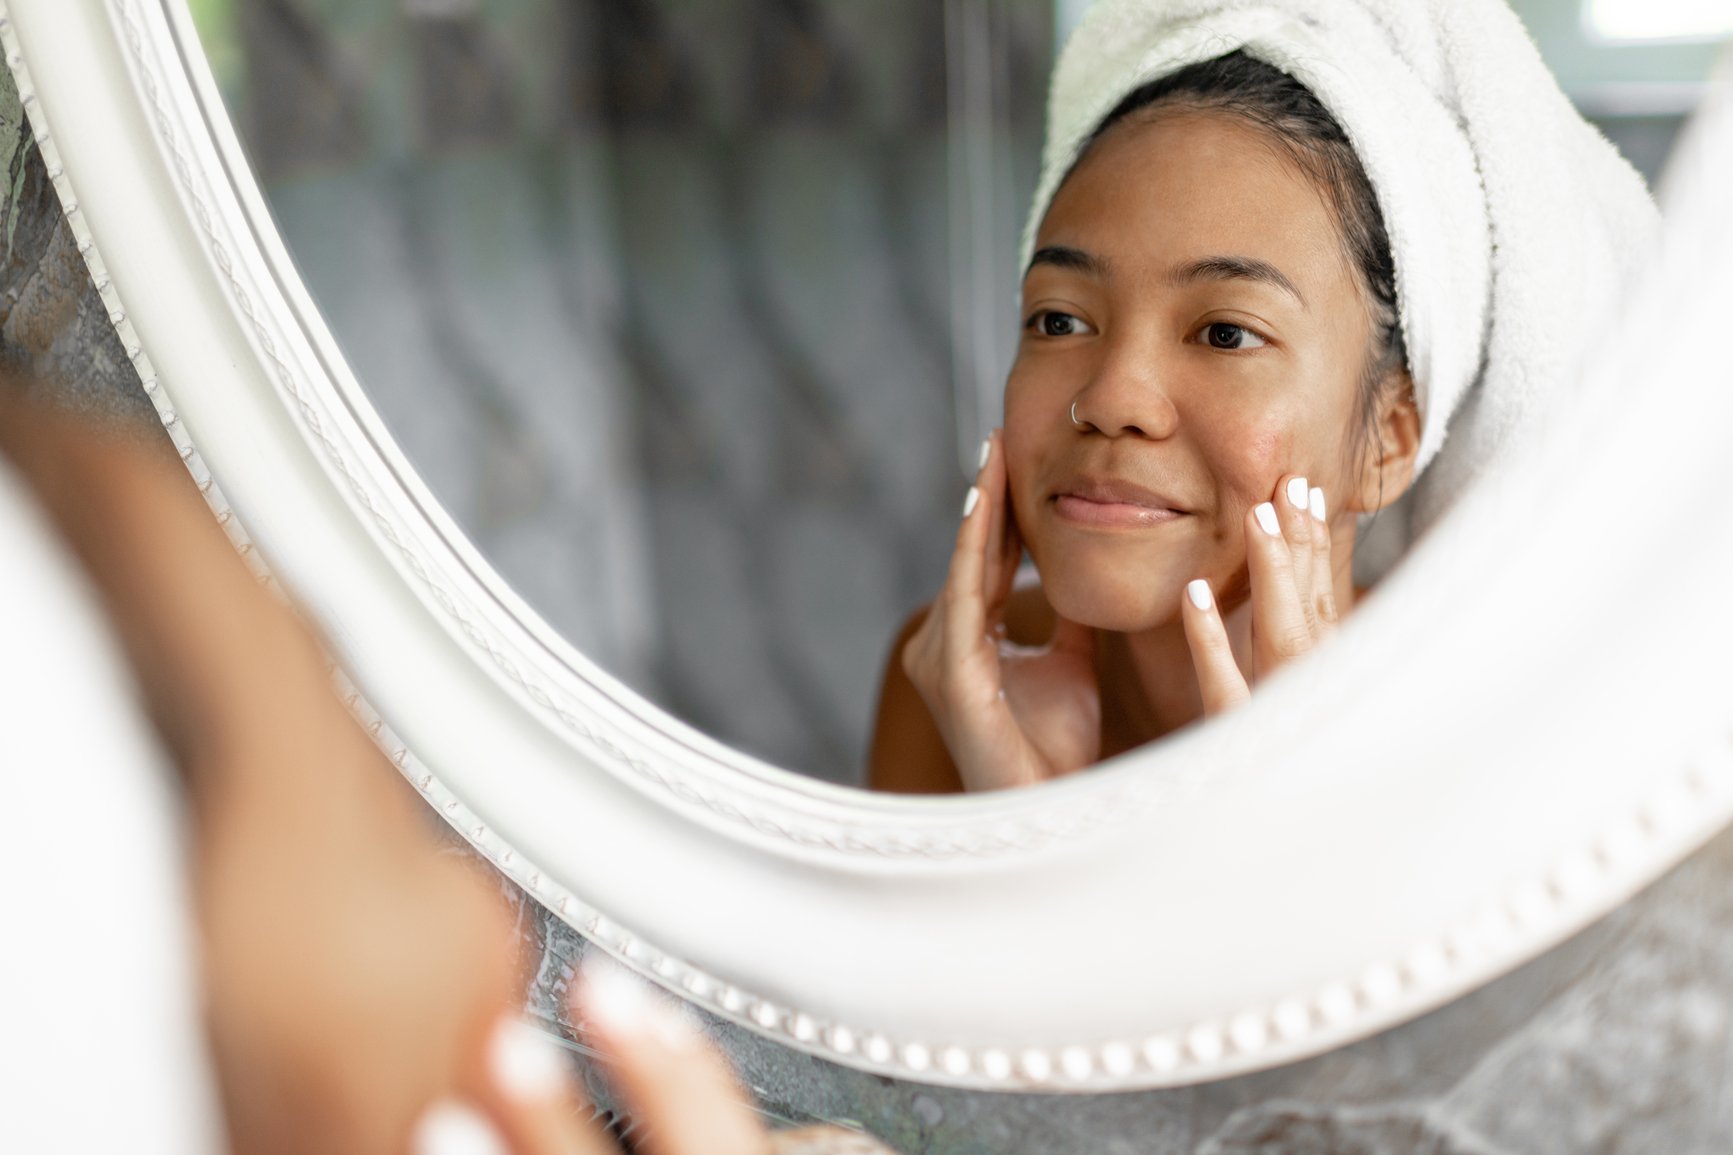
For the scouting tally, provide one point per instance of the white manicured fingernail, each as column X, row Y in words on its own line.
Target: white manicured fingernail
column 524, row 1062
column 1318, row 504
column 1198, row 592
column 452, row 1128
column 970, row 502
column 622, row 1003
column 1266, row 515
column 614, row 997
column 1297, row 492
column 986, row 452
column 673, row 1026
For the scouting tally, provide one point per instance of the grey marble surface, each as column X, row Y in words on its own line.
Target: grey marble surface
column 1619, row 1041
column 52, row 323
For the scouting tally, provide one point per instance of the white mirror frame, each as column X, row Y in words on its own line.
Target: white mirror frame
column 1531, row 723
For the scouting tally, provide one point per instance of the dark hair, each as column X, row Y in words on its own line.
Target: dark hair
column 1299, row 125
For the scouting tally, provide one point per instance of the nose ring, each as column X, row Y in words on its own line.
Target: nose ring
column 1076, row 423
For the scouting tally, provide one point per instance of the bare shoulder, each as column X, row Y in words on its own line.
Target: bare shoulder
column 908, row 754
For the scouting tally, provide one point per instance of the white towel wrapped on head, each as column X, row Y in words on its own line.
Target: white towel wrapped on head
column 1513, row 223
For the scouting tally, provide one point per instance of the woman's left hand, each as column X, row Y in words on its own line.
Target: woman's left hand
column 1293, row 600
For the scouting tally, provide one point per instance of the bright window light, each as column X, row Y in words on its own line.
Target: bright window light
column 1659, row 19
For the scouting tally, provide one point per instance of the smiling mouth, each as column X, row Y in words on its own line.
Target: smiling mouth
column 1114, row 506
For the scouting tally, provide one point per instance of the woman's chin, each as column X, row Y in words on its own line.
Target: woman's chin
column 1121, row 608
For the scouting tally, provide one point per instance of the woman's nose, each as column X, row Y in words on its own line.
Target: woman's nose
column 1127, row 397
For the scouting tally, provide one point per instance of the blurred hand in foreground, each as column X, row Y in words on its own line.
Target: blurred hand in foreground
column 361, row 987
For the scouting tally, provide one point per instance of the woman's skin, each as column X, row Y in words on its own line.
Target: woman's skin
column 1190, row 301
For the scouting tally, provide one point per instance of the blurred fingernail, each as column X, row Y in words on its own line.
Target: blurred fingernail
column 613, row 997
column 986, row 452
column 1297, row 492
column 1318, row 503
column 625, row 1004
column 452, row 1128
column 525, row 1063
column 1198, row 592
column 970, row 501
column 1266, row 515
column 673, row 1027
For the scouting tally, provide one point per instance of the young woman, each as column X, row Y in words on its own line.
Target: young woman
column 1216, row 379
column 1210, row 389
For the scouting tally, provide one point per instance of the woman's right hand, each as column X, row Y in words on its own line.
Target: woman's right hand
column 1010, row 715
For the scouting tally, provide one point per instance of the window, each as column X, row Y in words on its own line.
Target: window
column 1616, row 20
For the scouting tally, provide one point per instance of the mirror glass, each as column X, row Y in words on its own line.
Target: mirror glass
column 685, row 310
column 693, row 312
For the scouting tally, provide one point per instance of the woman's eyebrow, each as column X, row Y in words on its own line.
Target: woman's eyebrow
column 1235, row 269
column 1065, row 257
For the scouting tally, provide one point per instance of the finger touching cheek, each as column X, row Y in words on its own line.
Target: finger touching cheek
column 1220, row 682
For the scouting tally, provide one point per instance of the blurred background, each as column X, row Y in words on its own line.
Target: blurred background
column 693, row 312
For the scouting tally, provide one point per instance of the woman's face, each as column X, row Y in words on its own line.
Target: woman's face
column 1190, row 294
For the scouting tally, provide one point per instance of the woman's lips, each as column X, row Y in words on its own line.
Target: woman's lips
column 1114, row 505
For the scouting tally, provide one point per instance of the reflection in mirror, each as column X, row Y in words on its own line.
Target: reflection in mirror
column 1274, row 256
column 662, row 299
column 688, row 312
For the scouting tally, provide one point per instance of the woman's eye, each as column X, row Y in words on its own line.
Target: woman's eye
column 1224, row 335
column 1051, row 323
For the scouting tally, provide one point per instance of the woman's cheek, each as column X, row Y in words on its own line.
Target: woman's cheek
column 1251, row 461
column 1023, row 451
column 1017, row 475
column 1023, row 421
column 1254, row 461
column 1267, row 453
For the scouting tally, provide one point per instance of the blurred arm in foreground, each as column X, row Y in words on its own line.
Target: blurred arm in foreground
column 360, row 989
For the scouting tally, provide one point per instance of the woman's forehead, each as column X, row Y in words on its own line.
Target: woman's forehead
column 1161, row 192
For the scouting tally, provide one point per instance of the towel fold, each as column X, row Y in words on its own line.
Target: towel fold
column 1514, row 224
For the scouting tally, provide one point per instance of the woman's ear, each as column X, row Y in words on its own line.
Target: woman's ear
column 1393, row 444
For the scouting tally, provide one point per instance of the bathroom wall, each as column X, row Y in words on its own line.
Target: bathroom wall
column 661, row 298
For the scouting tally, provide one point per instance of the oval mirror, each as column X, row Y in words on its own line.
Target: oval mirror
column 597, row 376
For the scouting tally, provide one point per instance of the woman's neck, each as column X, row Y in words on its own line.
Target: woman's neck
column 1147, row 688
column 1148, row 682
